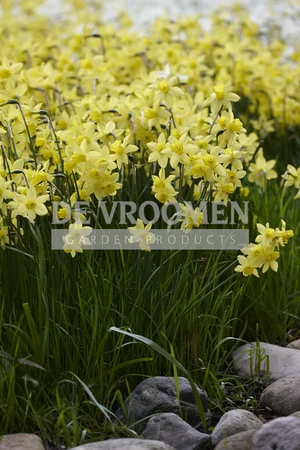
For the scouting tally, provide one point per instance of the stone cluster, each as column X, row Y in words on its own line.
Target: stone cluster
column 164, row 423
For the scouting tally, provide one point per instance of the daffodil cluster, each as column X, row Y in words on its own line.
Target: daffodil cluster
column 265, row 252
column 84, row 109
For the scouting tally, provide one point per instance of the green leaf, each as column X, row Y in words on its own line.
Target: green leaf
column 102, row 408
column 172, row 360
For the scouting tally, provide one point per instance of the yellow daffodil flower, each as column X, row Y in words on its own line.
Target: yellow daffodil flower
column 141, row 235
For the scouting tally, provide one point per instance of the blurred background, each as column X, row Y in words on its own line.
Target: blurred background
column 286, row 12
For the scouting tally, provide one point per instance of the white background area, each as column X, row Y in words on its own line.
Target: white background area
column 287, row 12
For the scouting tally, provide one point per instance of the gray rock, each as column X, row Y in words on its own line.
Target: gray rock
column 279, row 434
column 125, row 444
column 295, row 414
column 172, row 430
column 282, row 396
column 233, row 422
column 239, row 441
column 283, row 361
column 294, row 344
column 158, row 395
column 21, row 441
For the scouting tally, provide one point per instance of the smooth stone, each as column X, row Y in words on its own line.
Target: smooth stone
column 21, row 441
column 283, row 361
column 294, row 344
column 239, row 441
column 125, row 444
column 282, row 396
column 280, row 434
column 172, row 430
column 158, row 395
column 233, row 422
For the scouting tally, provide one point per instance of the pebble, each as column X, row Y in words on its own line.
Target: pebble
column 279, row 434
column 294, row 344
column 158, row 395
column 125, row 444
column 21, row 441
column 283, row 361
column 239, row 441
column 174, row 431
column 282, row 396
column 233, row 422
